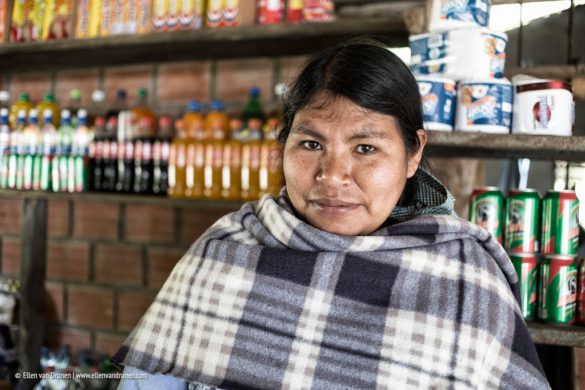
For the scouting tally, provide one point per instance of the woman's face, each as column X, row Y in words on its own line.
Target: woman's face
column 345, row 167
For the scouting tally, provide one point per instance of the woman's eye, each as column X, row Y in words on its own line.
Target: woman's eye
column 365, row 149
column 311, row 145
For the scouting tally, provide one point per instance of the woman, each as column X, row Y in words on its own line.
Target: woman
column 358, row 276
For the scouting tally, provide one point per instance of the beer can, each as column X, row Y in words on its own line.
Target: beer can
column 486, row 206
column 522, row 221
column 526, row 267
column 560, row 224
column 558, row 289
column 581, row 293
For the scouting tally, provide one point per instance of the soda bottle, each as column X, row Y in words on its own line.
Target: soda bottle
column 110, row 165
column 5, row 100
column 253, row 108
column 250, row 172
column 98, row 98
column 178, row 162
column 217, row 120
column 165, row 128
column 74, row 105
column 96, row 164
column 65, row 135
column 23, row 103
column 194, row 121
column 160, row 174
column 49, row 103
column 4, row 147
column 212, row 170
column 30, row 137
column 44, row 160
column 231, row 170
column 16, row 158
column 120, row 104
column 139, row 112
column 270, row 160
column 78, row 175
column 143, row 168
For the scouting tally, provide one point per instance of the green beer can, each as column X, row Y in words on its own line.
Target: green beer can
column 560, row 223
column 486, row 206
column 558, row 289
column 522, row 221
column 526, row 267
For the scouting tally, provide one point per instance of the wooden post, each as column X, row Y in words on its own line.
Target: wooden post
column 32, row 284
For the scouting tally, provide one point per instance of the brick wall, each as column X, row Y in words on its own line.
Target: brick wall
column 170, row 85
column 106, row 260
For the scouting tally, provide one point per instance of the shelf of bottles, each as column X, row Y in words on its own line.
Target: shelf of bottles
column 128, row 151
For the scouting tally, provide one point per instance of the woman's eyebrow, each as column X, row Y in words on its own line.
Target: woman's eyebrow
column 370, row 133
column 307, row 131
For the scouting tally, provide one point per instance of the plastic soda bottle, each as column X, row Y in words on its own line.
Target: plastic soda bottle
column 31, row 137
column 140, row 127
column 78, row 175
column 231, row 167
column 212, row 170
column 65, row 135
column 178, row 161
column 44, row 159
column 49, row 102
column 217, row 120
column 253, row 108
column 4, row 147
column 270, row 161
column 250, row 173
column 23, row 103
column 194, row 121
column 16, row 150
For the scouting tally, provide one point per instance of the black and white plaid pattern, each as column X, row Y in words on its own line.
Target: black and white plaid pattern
column 264, row 300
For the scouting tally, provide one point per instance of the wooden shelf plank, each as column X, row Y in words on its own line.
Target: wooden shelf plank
column 570, row 336
column 481, row 145
column 235, row 42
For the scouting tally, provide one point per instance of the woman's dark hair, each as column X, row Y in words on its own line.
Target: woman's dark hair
column 364, row 71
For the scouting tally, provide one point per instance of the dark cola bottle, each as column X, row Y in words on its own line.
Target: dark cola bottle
column 110, row 166
column 128, row 177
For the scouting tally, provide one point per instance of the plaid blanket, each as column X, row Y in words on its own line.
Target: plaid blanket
column 264, row 300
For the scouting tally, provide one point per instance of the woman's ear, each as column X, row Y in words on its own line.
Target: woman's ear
column 414, row 158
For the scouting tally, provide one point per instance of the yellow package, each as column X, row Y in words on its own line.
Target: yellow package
column 82, row 17
column 57, row 19
column 192, row 14
column 173, row 12
column 107, row 16
column 95, row 18
column 130, row 16
column 214, row 13
column 159, row 14
column 27, row 20
column 143, row 16
column 3, row 6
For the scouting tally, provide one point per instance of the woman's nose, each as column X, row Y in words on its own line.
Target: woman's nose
column 334, row 169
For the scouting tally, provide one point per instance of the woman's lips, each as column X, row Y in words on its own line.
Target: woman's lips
column 334, row 206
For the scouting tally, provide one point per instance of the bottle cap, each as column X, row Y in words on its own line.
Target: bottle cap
column 121, row 94
column 217, row 105
column 49, row 97
column 254, row 91
column 24, row 97
column 4, row 96
column 75, row 94
column 65, row 114
column 194, row 106
column 143, row 93
column 98, row 96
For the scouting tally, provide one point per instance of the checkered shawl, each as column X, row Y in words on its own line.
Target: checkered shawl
column 264, row 300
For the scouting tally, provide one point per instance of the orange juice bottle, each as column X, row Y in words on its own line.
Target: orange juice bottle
column 49, row 103
column 23, row 103
column 250, row 172
column 231, row 179
column 139, row 112
column 217, row 120
column 177, row 162
column 194, row 120
column 213, row 165
column 270, row 160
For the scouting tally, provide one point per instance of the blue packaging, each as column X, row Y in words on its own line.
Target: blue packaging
column 438, row 102
column 428, row 53
column 484, row 105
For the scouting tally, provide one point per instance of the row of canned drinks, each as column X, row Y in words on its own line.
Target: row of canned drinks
column 553, row 289
column 524, row 223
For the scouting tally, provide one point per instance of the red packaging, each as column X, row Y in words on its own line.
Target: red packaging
column 294, row 11
column 270, row 11
column 581, row 293
column 318, row 10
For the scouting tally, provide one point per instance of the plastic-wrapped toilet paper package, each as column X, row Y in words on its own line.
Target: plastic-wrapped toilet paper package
column 484, row 105
column 438, row 102
column 543, row 107
column 450, row 14
column 460, row 54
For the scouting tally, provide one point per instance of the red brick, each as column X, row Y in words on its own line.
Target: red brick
column 235, row 77
column 54, row 302
column 118, row 264
column 96, row 220
column 36, row 84
column 90, row 306
column 108, row 343
column 10, row 216
column 181, row 82
column 131, row 308
column 290, row 67
column 150, row 223
column 86, row 80
column 68, row 260
column 10, row 256
column 195, row 222
column 77, row 339
column 130, row 78
column 58, row 215
column 161, row 262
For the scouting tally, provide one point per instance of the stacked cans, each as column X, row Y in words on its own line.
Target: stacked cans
column 541, row 237
column 461, row 49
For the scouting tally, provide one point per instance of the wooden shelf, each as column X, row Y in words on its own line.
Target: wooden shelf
column 220, row 43
column 481, row 145
column 570, row 336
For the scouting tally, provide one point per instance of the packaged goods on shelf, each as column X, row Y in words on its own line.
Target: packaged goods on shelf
column 460, row 54
column 36, row 20
column 270, row 11
column 543, row 107
column 294, row 11
column 438, row 102
column 3, row 12
column 581, row 293
column 318, row 10
column 558, row 289
column 486, row 209
column 89, row 18
column 450, row 14
column 484, row 105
